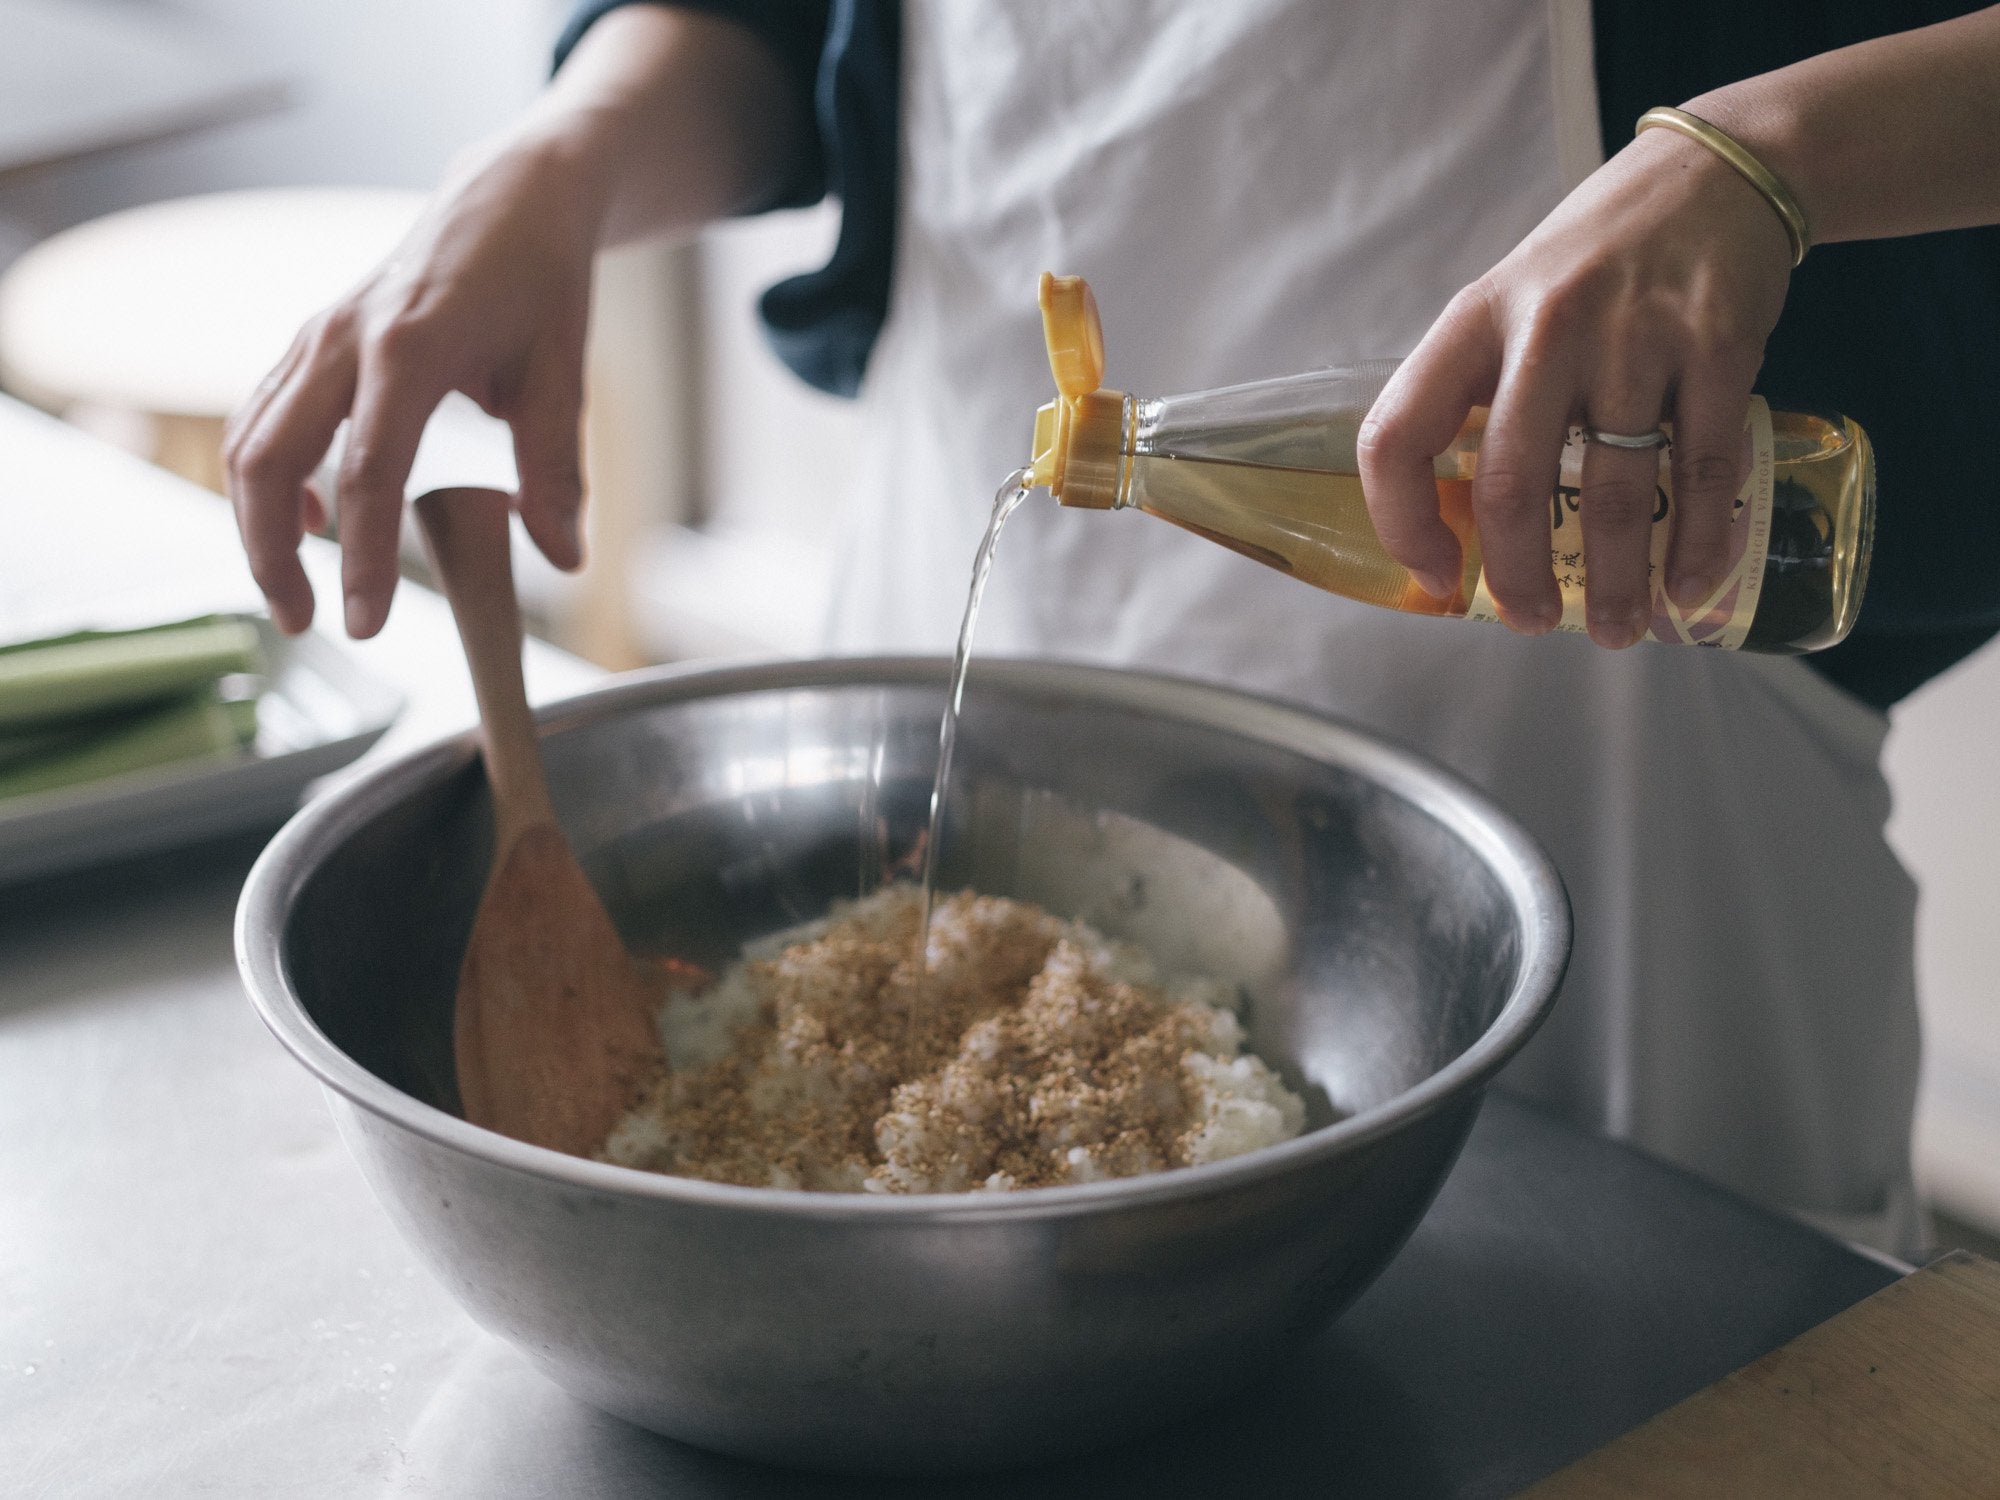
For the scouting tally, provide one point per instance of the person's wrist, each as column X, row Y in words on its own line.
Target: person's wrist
column 564, row 161
column 1732, row 152
column 583, row 145
column 1769, row 123
column 1711, row 196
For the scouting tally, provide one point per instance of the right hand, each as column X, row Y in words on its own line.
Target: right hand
column 489, row 295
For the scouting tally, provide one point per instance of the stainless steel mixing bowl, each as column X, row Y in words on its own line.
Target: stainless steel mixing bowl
column 1397, row 938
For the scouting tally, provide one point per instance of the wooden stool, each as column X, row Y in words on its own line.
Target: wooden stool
column 151, row 325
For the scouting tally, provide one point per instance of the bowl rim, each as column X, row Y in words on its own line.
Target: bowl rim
column 1523, row 868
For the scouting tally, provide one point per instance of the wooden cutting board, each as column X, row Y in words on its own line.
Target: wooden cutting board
column 1899, row 1395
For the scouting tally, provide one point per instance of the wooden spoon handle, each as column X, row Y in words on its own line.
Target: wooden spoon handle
column 465, row 532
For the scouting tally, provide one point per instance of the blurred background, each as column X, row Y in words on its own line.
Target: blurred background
column 182, row 183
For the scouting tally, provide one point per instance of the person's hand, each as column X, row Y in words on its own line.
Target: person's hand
column 662, row 120
column 488, row 295
column 1644, row 298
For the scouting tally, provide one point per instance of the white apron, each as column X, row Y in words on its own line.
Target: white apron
column 1265, row 186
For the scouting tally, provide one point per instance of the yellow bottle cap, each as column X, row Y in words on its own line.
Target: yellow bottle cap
column 1079, row 437
column 1074, row 334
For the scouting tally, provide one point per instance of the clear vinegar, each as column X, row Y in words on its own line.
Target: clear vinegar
column 1312, row 523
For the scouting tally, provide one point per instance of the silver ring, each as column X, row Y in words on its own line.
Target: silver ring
column 1657, row 438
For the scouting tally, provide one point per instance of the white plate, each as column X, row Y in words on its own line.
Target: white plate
column 318, row 712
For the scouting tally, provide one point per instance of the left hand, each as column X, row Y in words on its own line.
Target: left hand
column 1644, row 298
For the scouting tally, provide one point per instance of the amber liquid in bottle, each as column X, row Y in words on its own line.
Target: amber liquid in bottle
column 1313, row 524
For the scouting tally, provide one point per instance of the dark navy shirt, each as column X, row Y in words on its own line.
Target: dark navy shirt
column 843, row 58
column 1902, row 335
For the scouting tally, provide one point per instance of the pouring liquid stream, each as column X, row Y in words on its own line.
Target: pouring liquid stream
column 1012, row 493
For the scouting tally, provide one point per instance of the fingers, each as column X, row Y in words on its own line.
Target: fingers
column 1520, row 461
column 389, row 383
column 246, row 416
column 280, row 439
column 394, row 397
column 1540, row 391
column 1618, row 498
column 1415, row 418
column 1709, row 459
column 547, row 419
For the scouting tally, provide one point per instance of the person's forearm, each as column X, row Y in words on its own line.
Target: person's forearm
column 668, row 119
column 1896, row 136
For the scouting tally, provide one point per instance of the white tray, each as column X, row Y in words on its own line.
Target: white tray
column 318, row 712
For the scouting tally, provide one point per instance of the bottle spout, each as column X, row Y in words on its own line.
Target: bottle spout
column 1047, row 462
column 1078, row 452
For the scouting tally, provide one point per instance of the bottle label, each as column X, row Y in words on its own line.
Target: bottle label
column 1723, row 619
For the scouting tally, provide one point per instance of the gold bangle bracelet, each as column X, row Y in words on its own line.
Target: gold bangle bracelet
column 1753, row 171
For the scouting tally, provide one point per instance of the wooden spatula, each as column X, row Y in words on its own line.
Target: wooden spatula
column 554, row 1023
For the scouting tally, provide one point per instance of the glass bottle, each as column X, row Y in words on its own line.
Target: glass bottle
column 1269, row 470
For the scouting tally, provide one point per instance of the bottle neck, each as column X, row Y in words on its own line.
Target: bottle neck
column 1139, row 440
